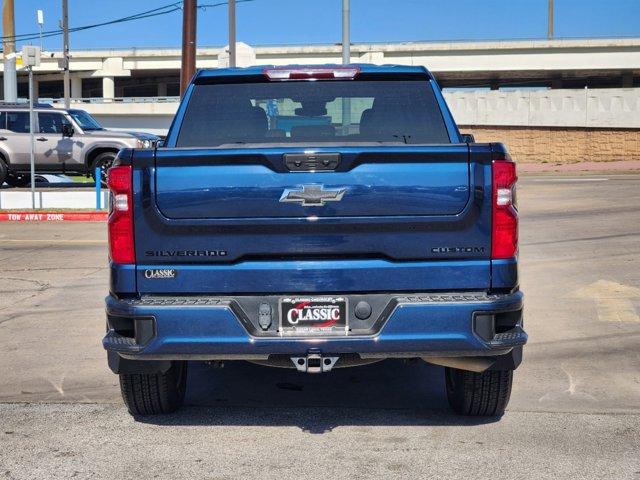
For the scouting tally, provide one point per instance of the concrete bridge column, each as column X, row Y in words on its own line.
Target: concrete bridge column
column 76, row 87
column 111, row 67
column 108, row 88
column 162, row 89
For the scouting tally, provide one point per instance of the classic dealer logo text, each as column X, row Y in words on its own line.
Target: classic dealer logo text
column 156, row 273
column 306, row 312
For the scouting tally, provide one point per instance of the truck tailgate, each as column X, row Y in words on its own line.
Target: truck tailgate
column 224, row 185
column 409, row 218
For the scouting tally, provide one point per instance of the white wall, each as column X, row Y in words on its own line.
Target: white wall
column 606, row 107
column 11, row 200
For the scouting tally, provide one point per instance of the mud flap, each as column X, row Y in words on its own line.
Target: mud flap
column 117, row 364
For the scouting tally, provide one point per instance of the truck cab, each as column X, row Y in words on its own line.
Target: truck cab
column 314, row 217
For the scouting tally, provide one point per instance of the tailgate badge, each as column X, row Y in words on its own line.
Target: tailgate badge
column 312, row 195
column 157, row 273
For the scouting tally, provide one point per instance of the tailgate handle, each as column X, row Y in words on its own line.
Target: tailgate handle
column 311, row 162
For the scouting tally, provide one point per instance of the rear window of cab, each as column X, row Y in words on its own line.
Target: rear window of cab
column 312, row 112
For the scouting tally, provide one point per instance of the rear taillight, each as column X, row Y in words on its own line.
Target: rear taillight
column 121, row 246
column 504, row 231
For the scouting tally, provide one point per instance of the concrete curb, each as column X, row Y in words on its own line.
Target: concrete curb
column 45, row 216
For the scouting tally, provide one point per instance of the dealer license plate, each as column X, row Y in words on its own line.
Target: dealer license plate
column 313, row 316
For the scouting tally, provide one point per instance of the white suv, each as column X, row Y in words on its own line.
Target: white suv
column 67, row 141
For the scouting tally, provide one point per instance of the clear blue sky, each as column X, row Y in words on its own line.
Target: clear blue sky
column 263, row 22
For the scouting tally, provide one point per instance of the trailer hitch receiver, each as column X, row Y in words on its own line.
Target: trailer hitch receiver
column 314, row 363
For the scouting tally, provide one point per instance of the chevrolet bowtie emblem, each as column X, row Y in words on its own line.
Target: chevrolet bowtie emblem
column 312, row 195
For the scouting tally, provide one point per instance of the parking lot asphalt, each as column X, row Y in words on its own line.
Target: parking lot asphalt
column 574, row 411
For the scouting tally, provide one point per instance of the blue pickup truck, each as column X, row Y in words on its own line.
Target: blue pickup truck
column 314, row 217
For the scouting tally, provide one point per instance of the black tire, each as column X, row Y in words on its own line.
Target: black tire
column 103, row 160
column 483, row 394
column 154, row 393
column 4, row 172
column 18, row 180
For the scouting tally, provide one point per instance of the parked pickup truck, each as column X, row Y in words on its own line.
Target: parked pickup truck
column 314, row 218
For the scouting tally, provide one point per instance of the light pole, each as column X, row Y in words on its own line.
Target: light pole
column 346, row 59
column 32, row 141
column 346, row 42
column 550, row 20
column 30, row 59
column 232, row 33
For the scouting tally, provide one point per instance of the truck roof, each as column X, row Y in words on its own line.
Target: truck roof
column 259, row 69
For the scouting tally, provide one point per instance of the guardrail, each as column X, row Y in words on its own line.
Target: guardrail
column 100, row 100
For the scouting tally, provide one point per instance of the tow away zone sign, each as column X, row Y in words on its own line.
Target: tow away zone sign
column 53, row 217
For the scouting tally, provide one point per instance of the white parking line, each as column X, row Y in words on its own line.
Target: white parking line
column 56, row 242
column 568, row 180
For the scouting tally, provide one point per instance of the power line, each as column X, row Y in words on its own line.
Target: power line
column 26, row 36
column 164, row 10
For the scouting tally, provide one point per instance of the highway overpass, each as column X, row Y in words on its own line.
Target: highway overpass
column 547, row 99
column 150, row 72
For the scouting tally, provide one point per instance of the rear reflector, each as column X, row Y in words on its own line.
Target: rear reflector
column 120, row 221
column 312, row 73
column 504, row 231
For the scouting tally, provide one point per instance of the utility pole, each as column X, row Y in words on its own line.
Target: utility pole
column 232, row 33
column 346, row 41
column 10, row 80
column 550, row 24
column 65, row 53
column 189, row 17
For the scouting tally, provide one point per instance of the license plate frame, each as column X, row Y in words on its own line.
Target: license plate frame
column 305, row 323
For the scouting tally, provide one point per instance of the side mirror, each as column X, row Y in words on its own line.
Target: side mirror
column 67, row 130
column 468, row 138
